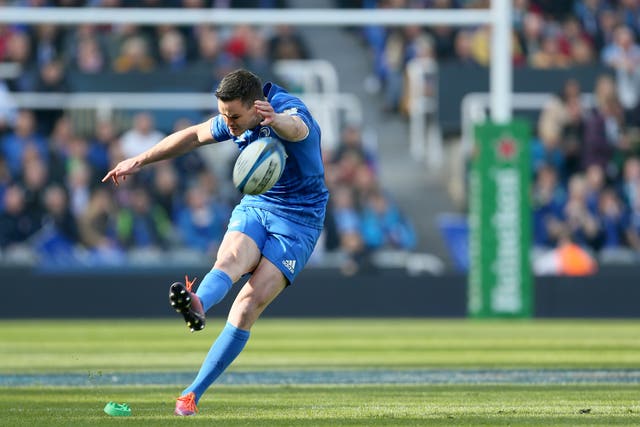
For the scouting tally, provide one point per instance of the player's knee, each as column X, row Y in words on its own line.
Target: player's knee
column 229, row 263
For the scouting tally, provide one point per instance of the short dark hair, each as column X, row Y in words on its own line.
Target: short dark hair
column 240, row 84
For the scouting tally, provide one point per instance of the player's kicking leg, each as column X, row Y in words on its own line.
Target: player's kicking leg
column 265, row 284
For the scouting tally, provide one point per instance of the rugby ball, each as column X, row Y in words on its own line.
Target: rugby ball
column 259, row 166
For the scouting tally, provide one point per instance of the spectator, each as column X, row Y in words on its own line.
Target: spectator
column 257, row 58
column 633, row 230
column 78, row 184
column 384, row 226
column 572, row 128
column 59, row 215
column 587, row 12
column 134, row 56
column 59, row 235
column 165, row 190
column 561, row 119
column 142, row 136
column 603, row 128
column 16, row 222
column 211, row 56
column 595, row 181
column 481, row 47
column 630, row 14
column 607, row 23
column 531, row 37
column 630, row 185
column 613, row 219
column 191, row 164
column 347, row 222
column 582, row 225
column 143, row 224
column 201, row 222
column 210, row 48
column 19, row 52
column 574, row 43
column 24, row 135
column 548, row 201
column 8, row 109
column 286, row 43
column 63, row 132
column 443, row 35
column 90, row 57
column 5, row 180
column 6, row 31
column 393, row 71
column 34, row 181
column 51, row 78
column 547, row 149
column 463, row 49
column 78, row 154
column 97, row 226
column 86, row 48
column 623, row 54
column 98, row 150
column 351, row 143
column 47, row 43
column 173, row 50
column 549, row 55
column 238, row 42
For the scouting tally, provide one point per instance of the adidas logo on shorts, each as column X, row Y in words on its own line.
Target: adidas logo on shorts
column 290, row 264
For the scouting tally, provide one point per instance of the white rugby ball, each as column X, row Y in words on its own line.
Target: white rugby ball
column 259, row 166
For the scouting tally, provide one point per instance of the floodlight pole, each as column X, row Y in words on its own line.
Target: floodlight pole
column 501, row 66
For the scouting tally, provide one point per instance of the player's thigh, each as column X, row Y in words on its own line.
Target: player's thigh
column 238, row 254
column 265, row 284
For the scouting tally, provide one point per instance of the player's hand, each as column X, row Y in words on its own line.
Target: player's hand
column 122, row 169
column 265, row 110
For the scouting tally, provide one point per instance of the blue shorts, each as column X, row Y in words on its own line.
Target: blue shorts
column 287, row 244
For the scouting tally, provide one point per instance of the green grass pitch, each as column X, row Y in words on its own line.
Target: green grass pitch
column 101, row 348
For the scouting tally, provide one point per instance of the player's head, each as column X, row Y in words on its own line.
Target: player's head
column 236, row 94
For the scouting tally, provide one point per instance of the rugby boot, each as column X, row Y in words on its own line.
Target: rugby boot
column 187, row 303
column 186, row 405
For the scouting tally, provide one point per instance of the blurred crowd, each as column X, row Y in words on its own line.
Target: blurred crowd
column 55, row 211
column 547, row 34
column 586, row 165
column 586, row 155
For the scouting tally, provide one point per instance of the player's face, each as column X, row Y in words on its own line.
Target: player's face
column 238, row 117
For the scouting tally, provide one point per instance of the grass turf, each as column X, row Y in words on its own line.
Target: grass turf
column 100, row 346
column 40, row 346
column 324, row 405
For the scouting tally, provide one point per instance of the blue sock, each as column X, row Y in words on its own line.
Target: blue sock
column 213, row 288
column 224, row 350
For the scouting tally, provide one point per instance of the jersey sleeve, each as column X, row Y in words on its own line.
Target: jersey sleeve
column 295, row 107
column 219, row 129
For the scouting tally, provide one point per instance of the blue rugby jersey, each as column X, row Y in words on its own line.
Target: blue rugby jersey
column 300, row 194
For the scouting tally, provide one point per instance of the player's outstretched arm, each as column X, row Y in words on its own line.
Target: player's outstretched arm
column 291, row 128
column 171, row 146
